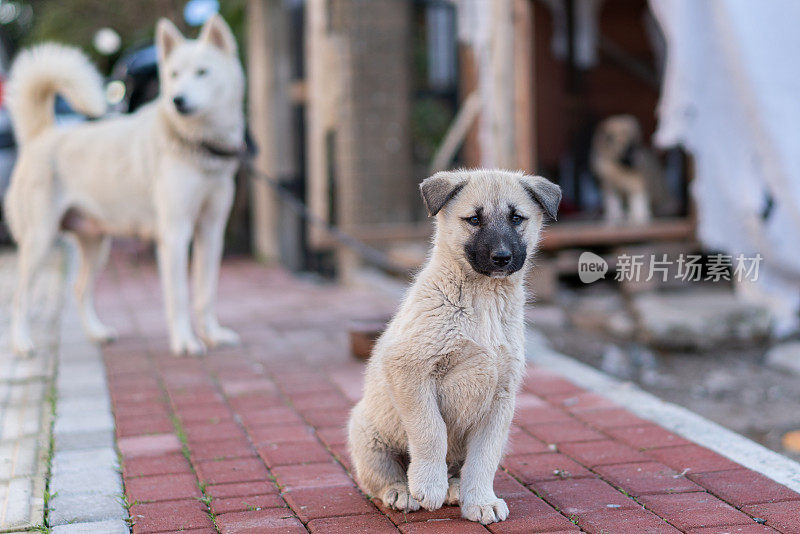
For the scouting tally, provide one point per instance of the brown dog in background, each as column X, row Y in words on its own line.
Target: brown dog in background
column 630, row 175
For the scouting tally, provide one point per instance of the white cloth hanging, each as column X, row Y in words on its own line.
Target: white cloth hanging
column 731, row 97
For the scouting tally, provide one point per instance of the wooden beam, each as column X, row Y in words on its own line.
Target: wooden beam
column 456, row 133
column 559, row 236
column 594, row 233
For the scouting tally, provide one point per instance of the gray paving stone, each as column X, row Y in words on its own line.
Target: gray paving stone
column 100, row 527
column 83, row 371
column 80, row 383
column 18, row 458
column 29, row 369
column 85, row 477
column 94, row 481
column 78, row 405
column 70, row 461
column 78, row 393
column 17, row 500
column 93, row 421
column 86, row 508
column 85, row 440
column 79, row 349
column 19, row 422
column 25, row 394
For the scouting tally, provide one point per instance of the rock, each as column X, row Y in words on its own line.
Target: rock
column 621, row 325
column 603, row 313
column 721, row 382
column 700, row 320
column 785, row 356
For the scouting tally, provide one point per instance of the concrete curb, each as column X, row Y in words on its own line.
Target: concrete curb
column 85, row 481
column 670, row 416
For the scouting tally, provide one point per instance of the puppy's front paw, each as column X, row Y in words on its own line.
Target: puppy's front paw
column 399, row 498
column 484, row 513
column 428, row 484
column 188, row 344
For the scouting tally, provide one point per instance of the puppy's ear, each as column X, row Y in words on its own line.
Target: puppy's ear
column 543, row 192
column 439, row 189
column 216, row 32
column 168, row 37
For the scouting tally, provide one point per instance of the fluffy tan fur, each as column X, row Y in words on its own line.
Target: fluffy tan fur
column 440, row 385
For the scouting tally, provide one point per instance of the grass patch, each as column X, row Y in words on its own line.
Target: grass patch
column 206, row 498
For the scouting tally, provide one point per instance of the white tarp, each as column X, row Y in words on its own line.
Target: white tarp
column 731, row 97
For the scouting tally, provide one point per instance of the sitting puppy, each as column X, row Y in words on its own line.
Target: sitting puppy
column 440, row 386
column 630, row 175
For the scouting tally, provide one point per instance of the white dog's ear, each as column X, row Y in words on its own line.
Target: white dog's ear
column 543, row 192
column 216, row 32
column 439, row 189
column 168, row 37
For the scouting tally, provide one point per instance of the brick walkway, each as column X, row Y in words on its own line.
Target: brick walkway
column 251, row 439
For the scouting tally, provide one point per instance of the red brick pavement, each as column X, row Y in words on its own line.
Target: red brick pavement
column 251, row 439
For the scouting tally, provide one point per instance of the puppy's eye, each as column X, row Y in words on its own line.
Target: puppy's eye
column 516, row 219
column 473, row 221
column 202, row 71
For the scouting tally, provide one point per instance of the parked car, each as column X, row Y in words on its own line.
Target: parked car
column 134, row 80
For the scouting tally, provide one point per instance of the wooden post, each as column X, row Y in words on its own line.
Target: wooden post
column 502, row 125
column 468, row 69
column 524, row 112
column 269, row 115
column 357, row 116
column 322, row 93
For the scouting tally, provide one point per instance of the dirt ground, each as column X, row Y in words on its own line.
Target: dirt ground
column 731, row 386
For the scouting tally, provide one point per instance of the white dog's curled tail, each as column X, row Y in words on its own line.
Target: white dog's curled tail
column 41, row 72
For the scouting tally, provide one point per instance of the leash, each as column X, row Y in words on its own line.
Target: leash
column 368, row 253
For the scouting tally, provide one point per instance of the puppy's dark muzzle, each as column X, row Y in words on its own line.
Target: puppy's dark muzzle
column 496, row 251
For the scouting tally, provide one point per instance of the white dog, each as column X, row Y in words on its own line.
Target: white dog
column 164, row 173
column 440, row 386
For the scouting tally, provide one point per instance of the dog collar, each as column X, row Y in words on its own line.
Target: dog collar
column 207, row 147
column 221, row 151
